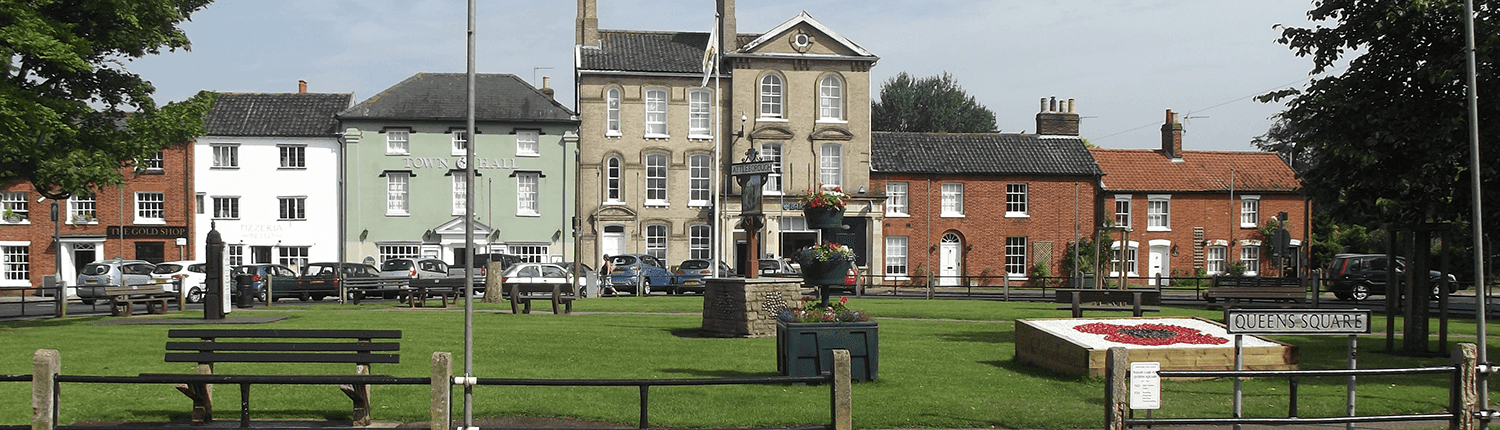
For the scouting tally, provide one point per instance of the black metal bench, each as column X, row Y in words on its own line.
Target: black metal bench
column 560, row 295
column 358, row 347
column 1243, row 291
column 122, row 299
column 1138, row 300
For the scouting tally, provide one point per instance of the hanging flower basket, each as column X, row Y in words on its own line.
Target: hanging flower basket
column 824, row 217
column 824, row 206
column 825, row 263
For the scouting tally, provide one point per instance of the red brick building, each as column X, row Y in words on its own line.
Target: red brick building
column 984, row 204
column 147, row 218
column 1194, row 212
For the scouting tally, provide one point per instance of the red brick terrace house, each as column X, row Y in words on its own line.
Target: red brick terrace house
column 985, row 204
column 1198, row 210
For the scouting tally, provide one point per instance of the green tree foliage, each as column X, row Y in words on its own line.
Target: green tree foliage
column 1390, row 133
column 70, row 114
column 932, row 104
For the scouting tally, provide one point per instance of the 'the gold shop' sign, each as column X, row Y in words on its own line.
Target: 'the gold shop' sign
column 145, row 231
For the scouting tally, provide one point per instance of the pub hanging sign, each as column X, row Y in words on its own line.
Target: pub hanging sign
column 140, row 231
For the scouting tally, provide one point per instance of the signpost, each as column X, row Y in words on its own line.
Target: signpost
column 1350, row 322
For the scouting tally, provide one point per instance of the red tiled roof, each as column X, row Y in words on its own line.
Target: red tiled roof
column 1149, row 170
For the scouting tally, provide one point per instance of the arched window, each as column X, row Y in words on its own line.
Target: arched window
column 770, row 96
column 831, row 98
column 612, row 180
column 612, row 117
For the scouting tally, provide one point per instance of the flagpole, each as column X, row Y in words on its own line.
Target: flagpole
column 717, row 184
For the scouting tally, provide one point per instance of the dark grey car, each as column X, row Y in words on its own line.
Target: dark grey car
column 1358, row 276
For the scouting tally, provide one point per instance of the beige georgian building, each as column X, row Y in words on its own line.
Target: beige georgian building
column 798, row 94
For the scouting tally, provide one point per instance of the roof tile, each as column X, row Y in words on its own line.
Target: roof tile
column 979, row 153
column 442, row 97
column 275, row 114
column 1149, row 170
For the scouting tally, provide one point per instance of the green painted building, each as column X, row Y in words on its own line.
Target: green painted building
column 405, row 158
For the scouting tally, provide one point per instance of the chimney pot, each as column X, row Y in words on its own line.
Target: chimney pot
column 547, row 86
column 1052, row 105
column 1171, row 137
column 1071, row 106
column 1057, row 118
column 301, row 86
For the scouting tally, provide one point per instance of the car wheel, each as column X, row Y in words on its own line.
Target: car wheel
column 318, row 298
column 643, row 286
column 195, row 295
column 89, row 302
column 1359, row 292
column 1342, row 296
column 304, row 297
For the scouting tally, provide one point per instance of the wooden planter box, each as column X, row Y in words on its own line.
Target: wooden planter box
column 806, row 349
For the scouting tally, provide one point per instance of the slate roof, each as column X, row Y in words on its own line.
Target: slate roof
column 648, row 51
column 979, row 154
column 1148, row 170
column 443, row 97
column 276, row 114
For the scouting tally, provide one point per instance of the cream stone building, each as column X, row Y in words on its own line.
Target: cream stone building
column 656, row 142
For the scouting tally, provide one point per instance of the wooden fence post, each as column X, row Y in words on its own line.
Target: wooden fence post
column 45, row 365
column 442, row 393
column 1116, row 388
column 1466, row 358
column 842, row 392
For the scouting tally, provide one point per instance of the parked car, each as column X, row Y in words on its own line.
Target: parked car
column 1358, row 276
column 689, row 275
column 482, row 264
column 851, row 282
column 639, row 273
column 535, row 274
column 779, row 268
column 421, row 268
column 282, row 280
column 190, row 274
column 96, row 275
column 326, row 277
column 587, row 280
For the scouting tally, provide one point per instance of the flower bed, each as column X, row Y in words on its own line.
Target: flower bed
column 1078, row 345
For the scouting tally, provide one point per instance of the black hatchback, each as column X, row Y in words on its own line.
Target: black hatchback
column 1358, row 276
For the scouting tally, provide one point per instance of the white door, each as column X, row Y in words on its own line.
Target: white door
column 613, row 240
column 949, row 261
column 1158, row 263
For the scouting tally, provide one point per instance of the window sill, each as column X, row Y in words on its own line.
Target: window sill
column 700, row 137
column 897, row 215
column 614, row 203
column 402, row 154
column 291, row 168
column 771, row 119
column 83, row 223
column 830, row 121
column 951, row 216
column 1158, row 229
column 657, row 136
column 403, row 215
column 1249, row 226
column 150, row 221
column 21, row 222
column 613, row 134
column 658, row 204
column 528, row 154
column 528, row 214
column 291, row 219
column 1017, row 215
column 224, row 168
column 225, row 219
column 898, row 278
column 698, row 204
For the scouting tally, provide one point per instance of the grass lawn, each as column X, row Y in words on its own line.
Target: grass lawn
column 944, row 364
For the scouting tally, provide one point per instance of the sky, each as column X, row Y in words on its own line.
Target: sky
column 1124, row 62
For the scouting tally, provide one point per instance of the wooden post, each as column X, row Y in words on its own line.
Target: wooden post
column 1116, row 388
column 842, row 392
column 442, row 393
column 1466, row 358
column 45, row 364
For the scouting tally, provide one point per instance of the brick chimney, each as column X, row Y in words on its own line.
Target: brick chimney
column 547, row 87
column 1171, row 137
column 727, row 30
column 1057, row 119
column 588, row 23
column 301, row 86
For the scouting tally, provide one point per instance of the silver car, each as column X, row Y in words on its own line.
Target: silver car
column 423, row 268
column 99, row 274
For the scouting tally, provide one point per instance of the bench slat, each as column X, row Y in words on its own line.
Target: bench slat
column 220, row 357
column 285, row 346
column 284, row 334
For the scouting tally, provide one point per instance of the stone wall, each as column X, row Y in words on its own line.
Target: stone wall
column 739, row 307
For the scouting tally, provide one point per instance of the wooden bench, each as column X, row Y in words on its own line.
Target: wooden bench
column 560, row 295
column 122, row 299
column 209, row 347
column 1242, row 291
column 416, row 294
column 1138, row 299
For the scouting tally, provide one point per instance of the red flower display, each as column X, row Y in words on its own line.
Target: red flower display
column 1149, row 334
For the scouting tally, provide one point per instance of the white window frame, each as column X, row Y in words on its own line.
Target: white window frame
column 1250, row 211
column 699, row 245
column 831, row 164
column 1250, row 256
column 83, row 209
column 398, row 142
column 699, row 105
column 613, row 175
column 1122, row 210
column 698, row 176
column 226, row 207
column 460, row 140
column 234, row 254
column 1133, row 259
column 291, row 208
column 831, row 99
column 399, row 250
column 612, row 113
column 15, row 263
column 18, row 202
column 772, row 93
column 225, row 156
column 771, row 151
column 294, row 257
column 1015, row 200
column 1216, row 259
column 1015, row 256
column 153, row 162
column 527, row 194
column 397, row 194
column 292, row 157
column 953, row 200
column 150, row 207
column 897, row 199
column 528, row 143
column 1159, row 213
column 460, row 192
column 896, row 265
column 656, row 113
column 656, row 179
column 656, row 241
column 531, row 253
